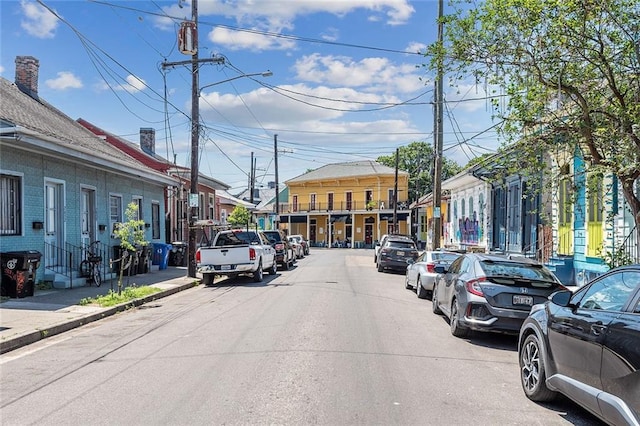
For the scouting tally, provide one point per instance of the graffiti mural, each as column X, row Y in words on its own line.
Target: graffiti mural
column 469, row 230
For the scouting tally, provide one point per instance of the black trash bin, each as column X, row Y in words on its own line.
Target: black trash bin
column 19, row 272
column 133, row 266
column 178, row 254
column 144, row 259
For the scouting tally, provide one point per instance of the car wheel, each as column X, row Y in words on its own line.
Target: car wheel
column 258, row 274
column 532, row 371
column 434, row 301
column 420, row 291
column 285, row 265
column 406, row 282
column 274, row 268
column 456, row 329
column 380, row 268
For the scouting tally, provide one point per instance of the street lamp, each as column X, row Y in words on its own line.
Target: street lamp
column 263, row 74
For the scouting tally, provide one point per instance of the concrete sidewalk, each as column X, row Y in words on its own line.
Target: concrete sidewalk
column 54, row 311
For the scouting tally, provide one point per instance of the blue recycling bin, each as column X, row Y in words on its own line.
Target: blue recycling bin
column 161, row 255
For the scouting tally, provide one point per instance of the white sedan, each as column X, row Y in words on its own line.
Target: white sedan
column 421, row 274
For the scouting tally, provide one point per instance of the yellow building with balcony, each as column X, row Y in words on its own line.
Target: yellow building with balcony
column 347, row 204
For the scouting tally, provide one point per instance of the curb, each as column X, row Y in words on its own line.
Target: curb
column 35, row 336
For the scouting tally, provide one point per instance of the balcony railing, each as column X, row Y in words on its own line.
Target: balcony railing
column 342, row 206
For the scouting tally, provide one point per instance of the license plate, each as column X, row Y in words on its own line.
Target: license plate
column 522, row 300
column 400, row 253
column 225, row 267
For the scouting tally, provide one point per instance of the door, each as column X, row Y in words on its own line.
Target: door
column 54, row 225
column 312, row 233
column 87, row 216
column 368, row 234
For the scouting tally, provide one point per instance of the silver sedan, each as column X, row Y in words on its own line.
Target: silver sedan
column 421, row 274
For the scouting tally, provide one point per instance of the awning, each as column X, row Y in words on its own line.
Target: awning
column 293, row 219
column 389, row 216
column 341, row 218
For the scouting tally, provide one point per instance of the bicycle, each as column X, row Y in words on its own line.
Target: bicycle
column 90, row 267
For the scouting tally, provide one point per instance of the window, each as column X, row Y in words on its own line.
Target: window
column 368, row 196
column 610, row 293
column 565, row 202
column 595, row 201
column 10, row 205
column 391, row 197
column 294, row 199
column 330, row 201
column 155, row 220
column 470, row 206
column 312, row 201
column 349, row 198
column 462, row 209
column 138, row 202
column 115, row 210
column 212, row 207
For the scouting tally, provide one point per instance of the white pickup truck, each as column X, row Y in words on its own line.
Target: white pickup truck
column 236, row 252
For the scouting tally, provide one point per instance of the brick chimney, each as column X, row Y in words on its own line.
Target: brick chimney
column 148, row 140
column 27, row 75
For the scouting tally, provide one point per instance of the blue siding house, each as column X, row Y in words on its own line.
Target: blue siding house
column 61, row 186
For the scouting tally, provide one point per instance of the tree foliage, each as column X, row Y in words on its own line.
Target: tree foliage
column 570, row 71
column 239, row 216
column 131, row 236
column 417, row 159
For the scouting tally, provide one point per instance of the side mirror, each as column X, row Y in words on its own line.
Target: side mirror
column 561, row 298
column 441, row 269
column 410, row 261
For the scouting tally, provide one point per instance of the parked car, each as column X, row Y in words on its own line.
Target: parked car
column 298, row 250
column 396, row 253
column 421, row 274
column 490, row 292
column 586, row 345
column 378, row 245
column 303, row 242
column 285, row 256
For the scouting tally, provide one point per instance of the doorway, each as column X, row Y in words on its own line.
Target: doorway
column 54, row 222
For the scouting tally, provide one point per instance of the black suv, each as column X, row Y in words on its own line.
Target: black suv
column 394, row 253
column 586, row 345
column 285, row 256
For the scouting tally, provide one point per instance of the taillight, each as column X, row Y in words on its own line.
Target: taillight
column 252, row 253
column 198, row 256
column 473, row 286
column 431, row 267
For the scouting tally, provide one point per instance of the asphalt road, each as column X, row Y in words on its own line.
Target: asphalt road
column 329, row 342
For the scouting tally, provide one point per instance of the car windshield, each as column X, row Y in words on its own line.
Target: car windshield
column 229, row 239
column 402, row 244
column 444, row 257
column 518, row 270
column 273, row 237
column 248, row 237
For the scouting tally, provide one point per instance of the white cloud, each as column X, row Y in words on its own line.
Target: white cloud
column 278, row 16
column 378, row 74
column 134, row 84
column 64, row 80
column 1, row 69
column 416, row 47
column 38, row 21
column 243, row 40
column 331, row 34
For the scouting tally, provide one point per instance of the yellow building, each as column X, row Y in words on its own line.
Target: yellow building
column 347, row 204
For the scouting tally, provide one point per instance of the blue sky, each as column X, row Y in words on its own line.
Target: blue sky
column 347, row 83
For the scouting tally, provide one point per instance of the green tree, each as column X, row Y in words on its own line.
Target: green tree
column 239, row 216
column 417, row 159
column 131, row 236
column 570, row 73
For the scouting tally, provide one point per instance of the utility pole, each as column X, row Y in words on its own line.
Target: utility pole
column 195, row 139
column 275, row 154
column 395, row 196
column 251, row 179
column 437, row 169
